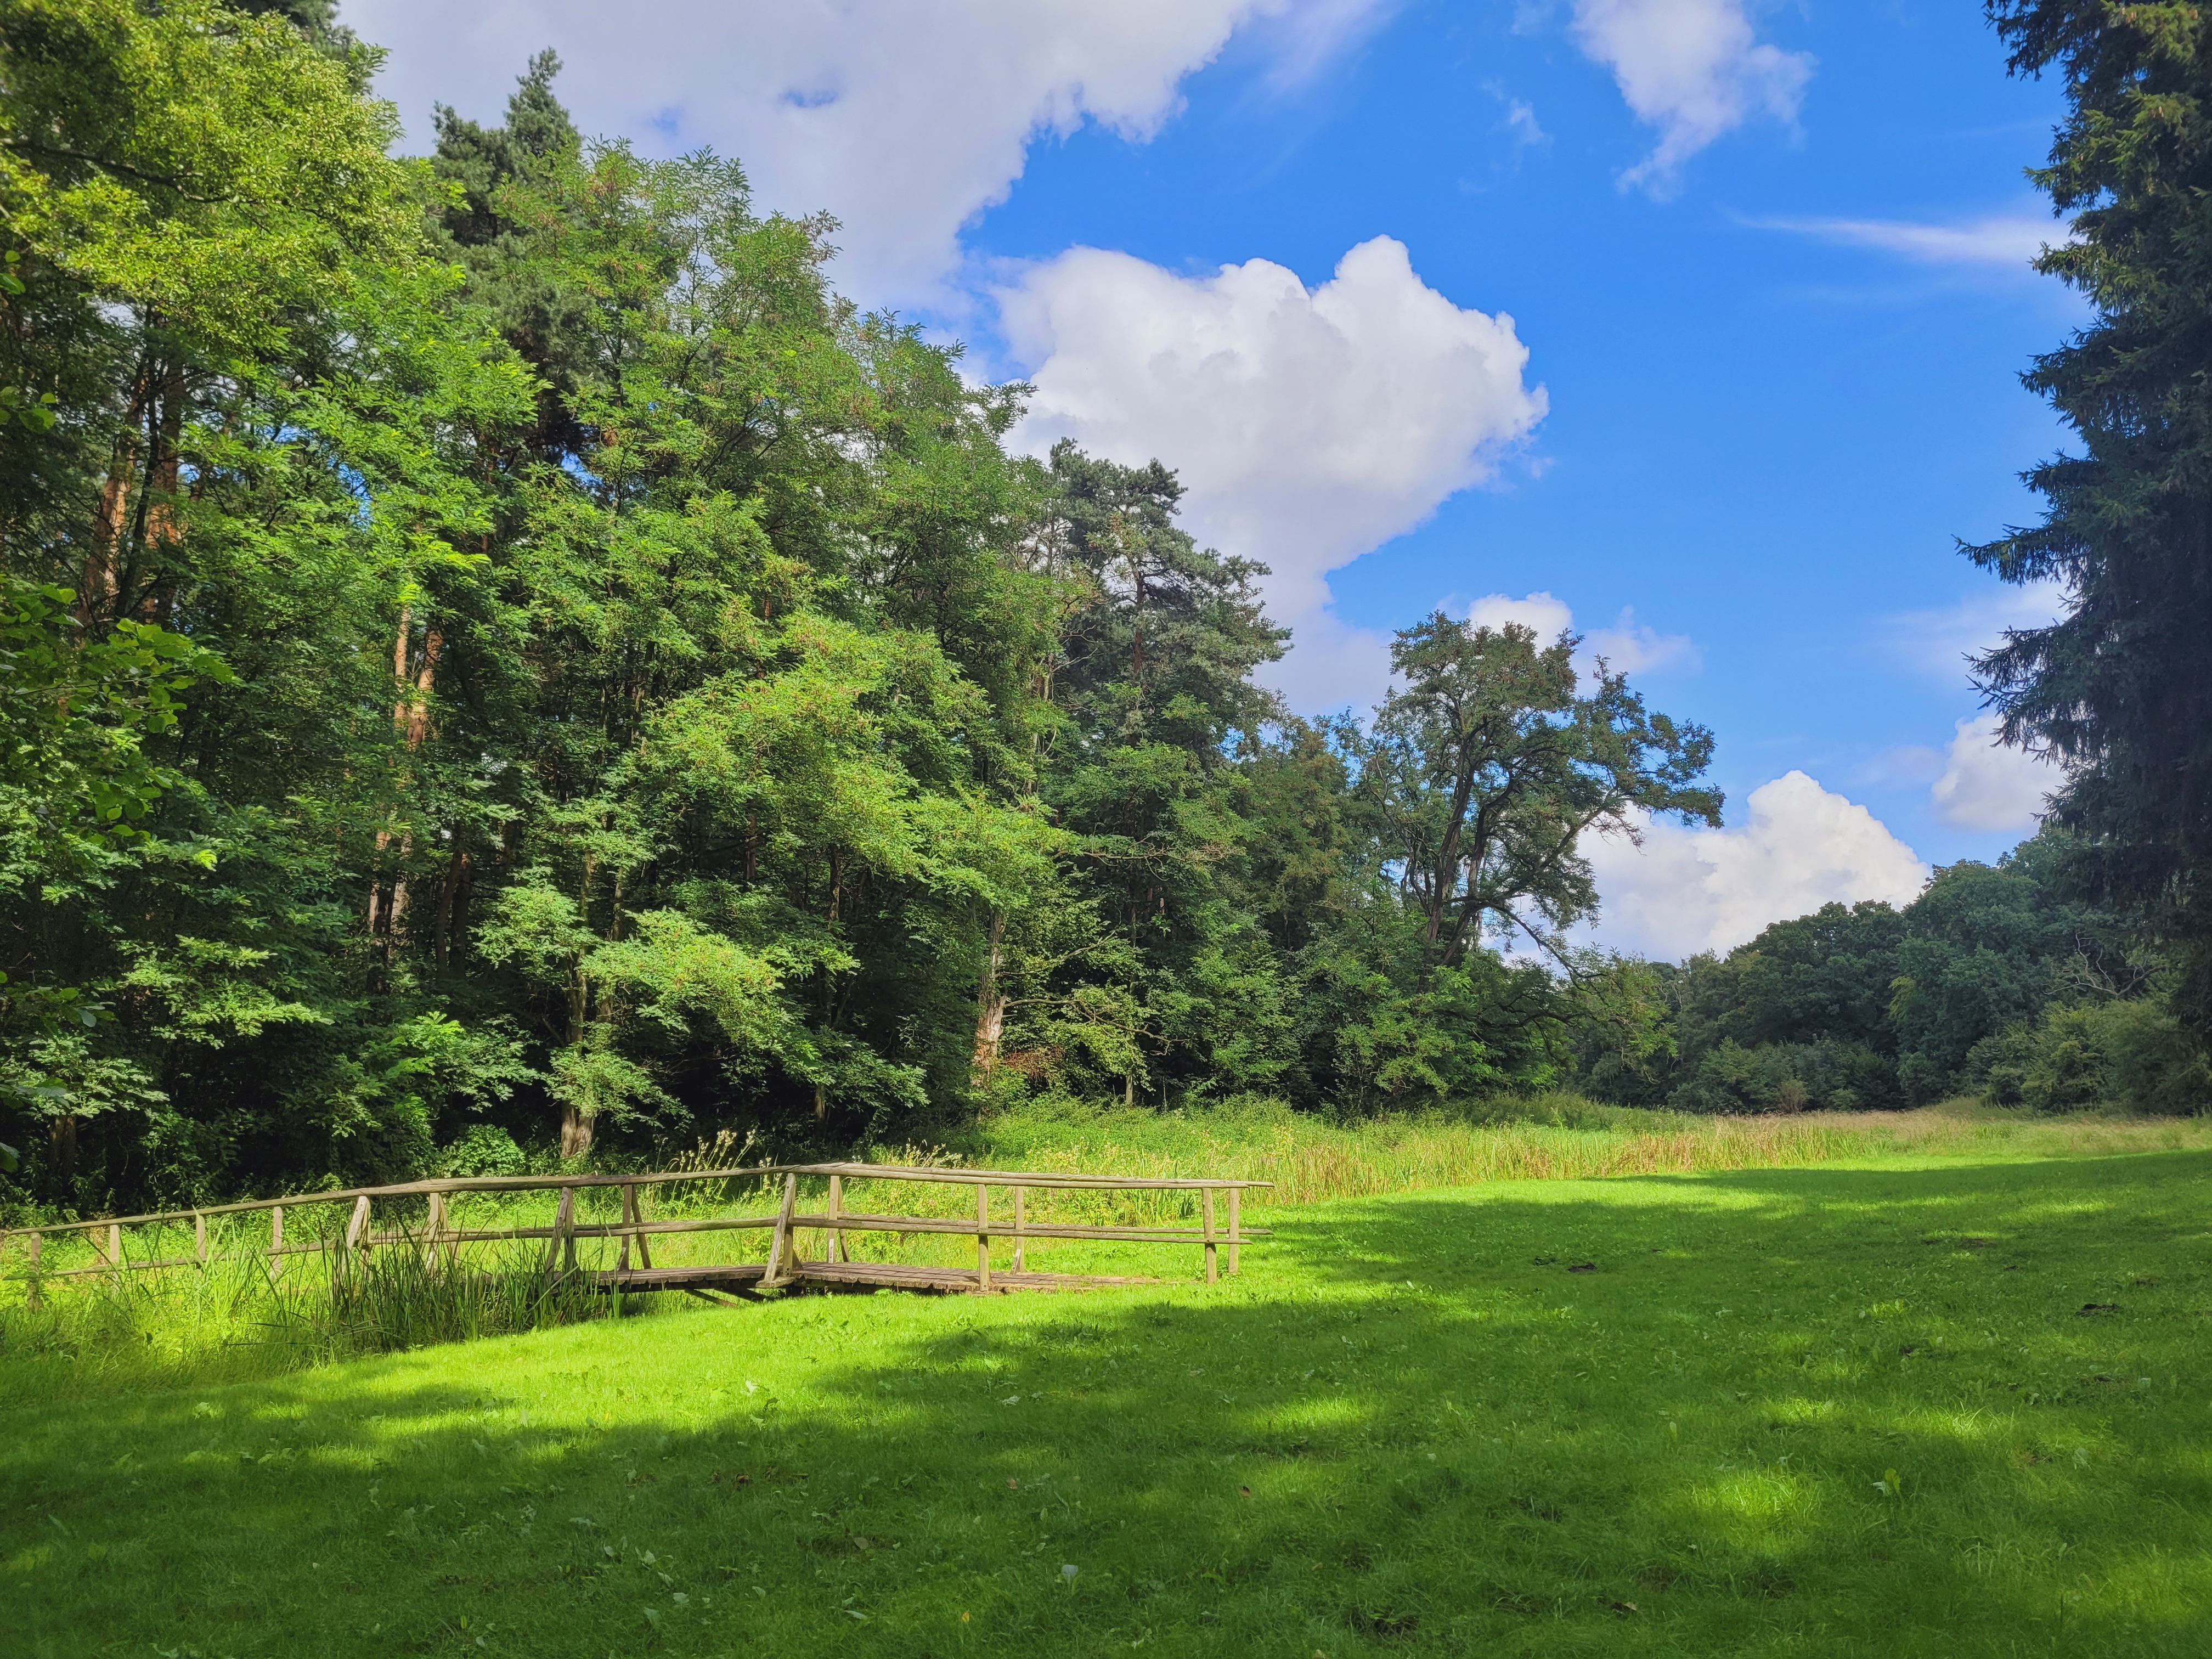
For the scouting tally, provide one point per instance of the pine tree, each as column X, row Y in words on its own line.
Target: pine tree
column 2119, row 689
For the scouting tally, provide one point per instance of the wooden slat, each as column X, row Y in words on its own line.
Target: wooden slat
column 1007, row 1177
column 868, row 1222
column 681, row 1279
column 908, row 1276
column 1021, row 1229
column 1236, row 1234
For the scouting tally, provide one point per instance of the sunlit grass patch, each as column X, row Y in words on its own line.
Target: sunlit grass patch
column 1409, row 1427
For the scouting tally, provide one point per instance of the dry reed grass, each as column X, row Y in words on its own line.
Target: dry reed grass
column 1312, row 1161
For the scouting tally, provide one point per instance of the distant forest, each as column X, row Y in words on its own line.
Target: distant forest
column 502, row 665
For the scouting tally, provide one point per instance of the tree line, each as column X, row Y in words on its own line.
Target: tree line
column 502, row 661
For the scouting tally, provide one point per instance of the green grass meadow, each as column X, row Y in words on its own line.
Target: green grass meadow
column 1944, row 1405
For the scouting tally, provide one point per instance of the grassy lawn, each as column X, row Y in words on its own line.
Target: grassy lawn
column 1912, row 1406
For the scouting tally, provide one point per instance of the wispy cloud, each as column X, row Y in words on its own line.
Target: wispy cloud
column 1940, row 643
column 1997, row 240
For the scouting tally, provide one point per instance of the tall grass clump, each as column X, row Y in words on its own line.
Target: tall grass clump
column 404, row 1295
column 1312, row 1159
column 244, row 1313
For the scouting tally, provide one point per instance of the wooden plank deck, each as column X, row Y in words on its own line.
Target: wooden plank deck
column 891, row 1274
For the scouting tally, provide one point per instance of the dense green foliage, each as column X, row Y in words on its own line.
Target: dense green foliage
column 1907, row 1408
column 504, row 662
column 2120, row 688
column 1992, row 982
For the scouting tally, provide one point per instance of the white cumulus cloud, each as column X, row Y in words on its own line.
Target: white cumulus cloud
column 1541, row 614
column 903, row 120
column 1695, row 69
column 1308, row 425
column 1629, row 647
column 1988, row 785
column 1692, row 889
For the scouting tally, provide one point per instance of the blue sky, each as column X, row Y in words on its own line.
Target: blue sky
column 1767, row 265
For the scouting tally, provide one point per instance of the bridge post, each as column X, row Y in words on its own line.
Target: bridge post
column 779, row 1244
column 1212, row 1276
column 982, row 1235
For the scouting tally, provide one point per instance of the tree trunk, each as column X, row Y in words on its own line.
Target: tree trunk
column 990, row 1003
column 576, row 1126
column 418, row 707
column 96, row 582
column 453, row 908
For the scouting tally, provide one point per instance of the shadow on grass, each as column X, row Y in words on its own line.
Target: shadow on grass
column 1830, row 1412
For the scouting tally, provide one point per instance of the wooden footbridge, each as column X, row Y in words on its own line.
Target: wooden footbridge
column 422, row 1215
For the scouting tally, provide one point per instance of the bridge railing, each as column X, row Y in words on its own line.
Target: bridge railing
column 1219, row 1232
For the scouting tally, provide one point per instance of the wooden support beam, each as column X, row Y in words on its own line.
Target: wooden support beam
column 837, row 1250
column 32, row 1298
column 779, row 1243
column 982, row 1236
column 560, row 1250
column 1212, row 1275
column 634, row 1218
column 1236, row 1231
column 1021, row 1229
column 357, row 1228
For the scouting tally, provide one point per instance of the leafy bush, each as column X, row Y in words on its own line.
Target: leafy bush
column 2130, row 1054
column 485, row 1150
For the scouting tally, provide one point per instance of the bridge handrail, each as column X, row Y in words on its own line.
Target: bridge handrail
column 447, row 1185
column 633, row 1229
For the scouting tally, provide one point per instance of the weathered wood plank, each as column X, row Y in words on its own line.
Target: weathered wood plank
column 779, row 1244
column 982, row 1238
column 837, row 1250
column 1212, row 1276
